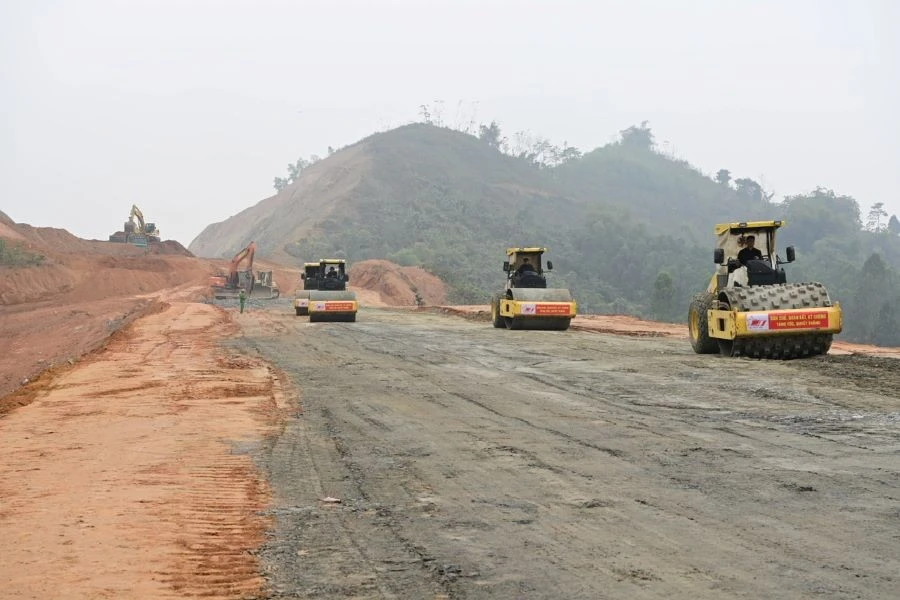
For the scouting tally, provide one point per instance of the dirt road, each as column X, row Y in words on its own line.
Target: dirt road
column 472, row 462
column 129, row 475
column 424, row 455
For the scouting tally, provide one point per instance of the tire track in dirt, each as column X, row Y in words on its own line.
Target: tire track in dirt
column 476, row 452
column 139, row 477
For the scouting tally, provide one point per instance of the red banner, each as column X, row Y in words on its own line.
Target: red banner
column 340, row 306
column 814, row 319
column 561, row 308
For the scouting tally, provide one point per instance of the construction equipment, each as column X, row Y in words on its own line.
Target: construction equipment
column 330, row 300
column 750, row 310
column 259, row 286
column 140, row 233
column 309, row 276
column 527, row 302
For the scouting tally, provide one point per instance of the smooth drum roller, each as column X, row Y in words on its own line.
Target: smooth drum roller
column 527, row 303
column 332, row 306
column 551, row 309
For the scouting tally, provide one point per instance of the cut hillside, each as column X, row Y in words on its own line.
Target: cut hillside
column 53, row 263
column 396, row 285
column 629, row 230
column 62, row 296
column 293, row 214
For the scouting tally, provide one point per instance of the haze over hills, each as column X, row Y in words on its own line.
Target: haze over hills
column 629, row 229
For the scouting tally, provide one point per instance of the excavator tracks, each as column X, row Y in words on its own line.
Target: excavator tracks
column 765, row 298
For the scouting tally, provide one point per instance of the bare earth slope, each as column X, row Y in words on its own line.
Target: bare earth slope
column 128, row 476
column 81, row 293
column 292, row 213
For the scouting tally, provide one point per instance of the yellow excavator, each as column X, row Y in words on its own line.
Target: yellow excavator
column 749, row 309
column 148, row 229
column 139, row 233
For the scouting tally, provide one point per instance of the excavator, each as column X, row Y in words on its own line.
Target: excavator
column 260, row 286
column 140, row 233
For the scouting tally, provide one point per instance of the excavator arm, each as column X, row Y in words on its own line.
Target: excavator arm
column 245, row 254
column 137, row 214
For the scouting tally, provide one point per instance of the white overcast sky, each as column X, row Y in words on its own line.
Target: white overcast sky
column 190, row 109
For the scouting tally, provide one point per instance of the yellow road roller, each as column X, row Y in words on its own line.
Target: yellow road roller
column 749, row 309
column 527, row 302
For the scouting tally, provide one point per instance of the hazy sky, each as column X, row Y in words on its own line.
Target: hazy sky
column 190, row 109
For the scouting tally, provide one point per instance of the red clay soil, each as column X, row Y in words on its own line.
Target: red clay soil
column 120, row 413
column 396, row 285
column 124, row 479
column 83, row 291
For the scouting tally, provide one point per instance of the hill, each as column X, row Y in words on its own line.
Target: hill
column 62, row 296
column 629, row 229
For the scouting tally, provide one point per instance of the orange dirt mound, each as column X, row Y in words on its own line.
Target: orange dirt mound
column 80, row 293
column 396, row 285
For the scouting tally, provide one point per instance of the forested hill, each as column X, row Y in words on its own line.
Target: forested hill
column 630, row 230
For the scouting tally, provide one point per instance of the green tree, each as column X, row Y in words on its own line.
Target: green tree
column 888, row 330
column 820, row 214
column 723, row 177
column 876, row 214
column 872, row 288
column 663, row 299
column 894, row 225
column 490, row 134
column 750, row 191
column 294, row 171
column 638, row 137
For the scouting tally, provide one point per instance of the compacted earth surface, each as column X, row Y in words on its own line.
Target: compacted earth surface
column 167, row 446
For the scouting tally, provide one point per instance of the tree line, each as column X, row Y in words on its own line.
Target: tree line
column 630, row 228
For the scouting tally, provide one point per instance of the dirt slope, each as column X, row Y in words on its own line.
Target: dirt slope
column 396, row 285
column 81, row 292
column 291, row 214
column 125, row 479
column 85, row 290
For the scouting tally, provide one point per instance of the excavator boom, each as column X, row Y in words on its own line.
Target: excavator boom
column 245, row 254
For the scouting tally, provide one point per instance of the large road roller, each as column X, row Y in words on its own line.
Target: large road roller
column 310, row 279
column 750, row 310
column 527, row 302
column 331, row 300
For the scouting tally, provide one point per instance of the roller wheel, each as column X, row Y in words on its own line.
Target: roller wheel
column 698, row 327
column 514, row 322
column 563, row 325
column 764, row 298
column 496, row 319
